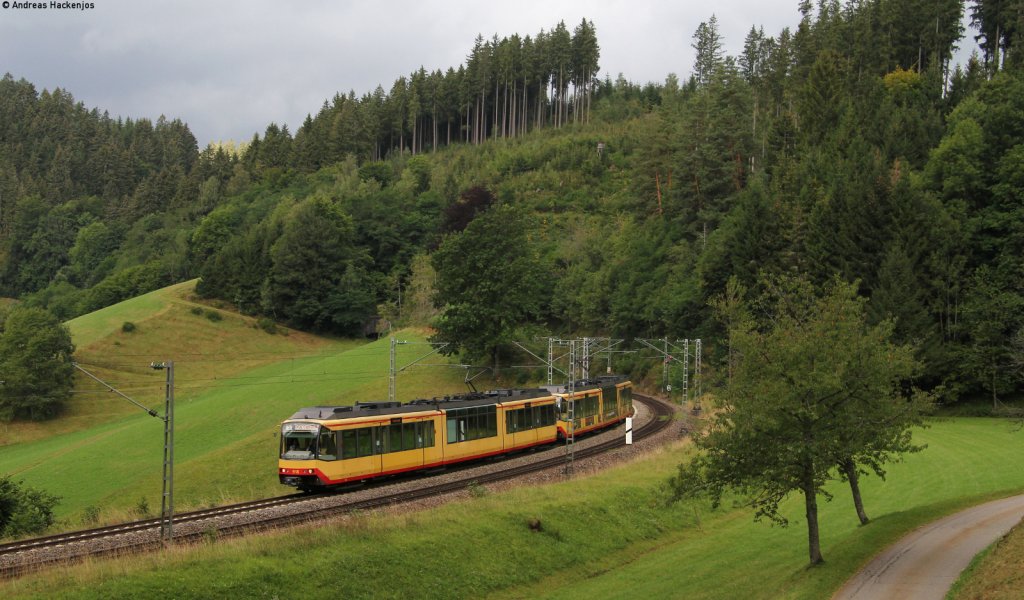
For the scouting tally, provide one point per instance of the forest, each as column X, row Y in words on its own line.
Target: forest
column 524, row 193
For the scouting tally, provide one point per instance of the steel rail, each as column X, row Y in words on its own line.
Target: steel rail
column 660, row 418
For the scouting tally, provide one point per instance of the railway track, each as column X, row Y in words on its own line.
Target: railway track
column 23, row 556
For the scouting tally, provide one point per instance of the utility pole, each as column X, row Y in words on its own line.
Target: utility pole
column 167, row 503
column 592, row 346
column 570, row 434
column 664, row 369
column 585, row 359
column 686, row 371
column 677, row 351
column 551, row 360
column 167, row 498
column 394, row 370
column 697, row 376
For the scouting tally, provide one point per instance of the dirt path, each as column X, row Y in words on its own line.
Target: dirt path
column 926, row 562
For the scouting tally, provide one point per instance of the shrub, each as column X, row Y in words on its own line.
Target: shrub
column 24, row 510
column 214, row 316
column 142, row 508
column 476, row 490
column 267, row 325
column 128, row 327
column 91, row 515
column 196, row 310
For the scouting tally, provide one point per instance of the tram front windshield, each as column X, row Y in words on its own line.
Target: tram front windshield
column 298, row 444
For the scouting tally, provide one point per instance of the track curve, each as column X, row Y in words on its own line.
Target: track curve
column 126, row 538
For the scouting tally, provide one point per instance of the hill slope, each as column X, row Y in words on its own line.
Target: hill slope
column 610, row 535
column 233, row 384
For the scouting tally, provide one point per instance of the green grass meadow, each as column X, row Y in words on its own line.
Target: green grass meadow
column 234, row 384
column 605, row 535
column 608, row 535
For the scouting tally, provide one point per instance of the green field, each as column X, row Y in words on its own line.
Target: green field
column 609, row 535
column 234, row 384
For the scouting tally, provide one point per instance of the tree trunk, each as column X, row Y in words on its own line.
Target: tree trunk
column 995, row 400
column 850, row 469
column 811, row 504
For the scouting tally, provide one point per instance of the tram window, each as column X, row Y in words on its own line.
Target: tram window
column 428, row 434
column 471, row 421
column 392, row 437
column 364, row 442
column 328, row 447
column 608, row 400
column 510, row 421
column 409, row 436
column 298, row 445
column 348, row 443
column 380, row 438
column 453, row 428
column 491, row 423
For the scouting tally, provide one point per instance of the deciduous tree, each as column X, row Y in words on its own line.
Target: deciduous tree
column 490, row 280
column 35, row 365
column 811, row 387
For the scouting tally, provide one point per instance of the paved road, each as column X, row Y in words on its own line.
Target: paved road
column 925, row 563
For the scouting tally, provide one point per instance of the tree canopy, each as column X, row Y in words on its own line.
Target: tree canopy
column 812, row 386
column 35, row 365
column 844, row 145
column 491, row 280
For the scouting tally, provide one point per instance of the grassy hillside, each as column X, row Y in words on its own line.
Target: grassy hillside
column 609, row 535
column 234, row 383
column 169, row 325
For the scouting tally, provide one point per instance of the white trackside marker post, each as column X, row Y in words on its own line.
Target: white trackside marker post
column 629, row 431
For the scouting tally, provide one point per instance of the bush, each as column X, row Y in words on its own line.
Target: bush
column 35, row 364
column 214, row 316
column 24, row 510
column 142, row 508
column 128, row 327
column 476, row 490
column 91, row 515
column 267, row 325
column 196, row 310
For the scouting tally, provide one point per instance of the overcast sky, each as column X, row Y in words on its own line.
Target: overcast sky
column 229, row 68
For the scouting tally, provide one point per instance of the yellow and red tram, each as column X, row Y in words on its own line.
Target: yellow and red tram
column 333, row 445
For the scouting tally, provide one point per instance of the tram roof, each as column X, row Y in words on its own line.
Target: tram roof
column 374, row 409
column 379, row 408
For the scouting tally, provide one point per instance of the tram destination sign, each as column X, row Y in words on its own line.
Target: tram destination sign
column 297, row 427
